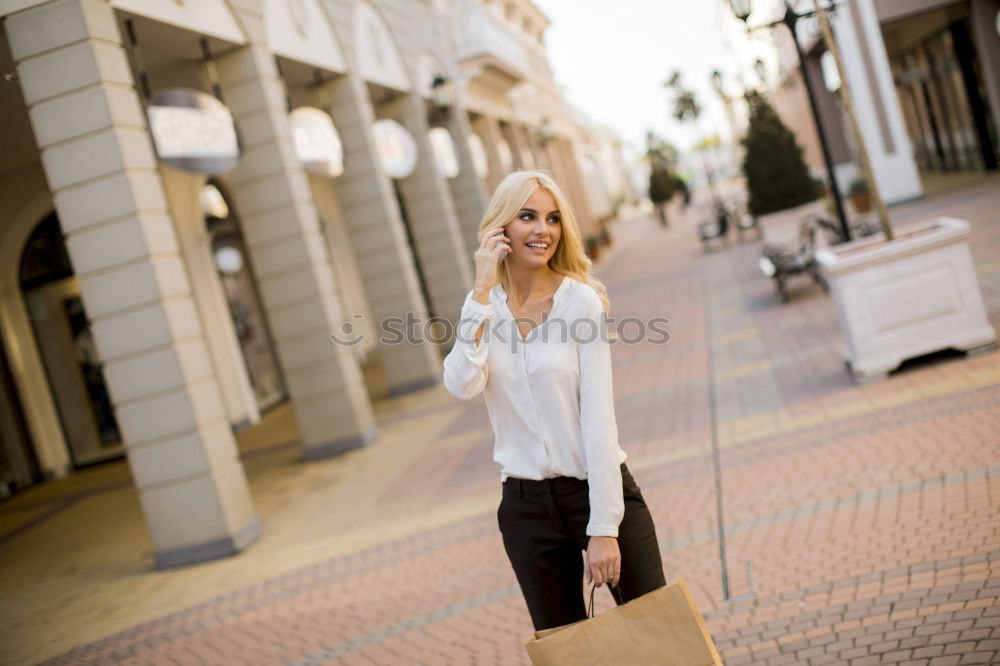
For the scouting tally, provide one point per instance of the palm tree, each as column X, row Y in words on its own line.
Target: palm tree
column 687, row 109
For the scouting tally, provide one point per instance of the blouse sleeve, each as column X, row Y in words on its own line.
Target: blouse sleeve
column 598, row 426
column 465, row 368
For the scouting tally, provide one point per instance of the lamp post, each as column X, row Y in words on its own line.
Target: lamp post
column 545, row 133
column 741, row 8
column 727, row 102
column 442, row 97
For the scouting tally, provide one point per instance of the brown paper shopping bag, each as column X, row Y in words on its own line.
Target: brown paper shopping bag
column 662, row 627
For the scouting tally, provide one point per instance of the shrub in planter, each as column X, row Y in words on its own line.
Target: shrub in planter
column 860, row 195
column 777, row 177
column 662, row 188
column 819, row 185
column 605, row 236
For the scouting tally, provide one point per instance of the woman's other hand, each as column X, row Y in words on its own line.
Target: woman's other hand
column 604, row 561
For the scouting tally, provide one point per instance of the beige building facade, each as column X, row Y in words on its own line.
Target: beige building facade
column 209, row 209
column 925, row 79
column 518, row 117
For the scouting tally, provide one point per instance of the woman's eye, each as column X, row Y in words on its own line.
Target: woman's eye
column 527, row 216
column 555, row 220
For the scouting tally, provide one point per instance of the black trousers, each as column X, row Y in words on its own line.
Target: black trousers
column 544, row 524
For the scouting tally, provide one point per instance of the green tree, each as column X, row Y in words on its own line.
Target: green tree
column 662, row 183
column 659, row 153
column 687, row 109
column 777, row 177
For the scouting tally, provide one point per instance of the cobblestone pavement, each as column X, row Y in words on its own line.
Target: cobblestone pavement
column 869, row 513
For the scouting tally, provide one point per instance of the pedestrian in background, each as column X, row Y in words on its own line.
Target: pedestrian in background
column 532, row 339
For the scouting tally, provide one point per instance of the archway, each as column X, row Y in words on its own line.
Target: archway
column 235, row 273
column 69, row 356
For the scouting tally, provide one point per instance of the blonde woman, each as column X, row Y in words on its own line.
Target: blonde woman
column 532, row 338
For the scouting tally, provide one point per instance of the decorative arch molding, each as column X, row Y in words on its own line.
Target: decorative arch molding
column 375, row 50
column 300, row 30
column 25, row 361
column 208, row 17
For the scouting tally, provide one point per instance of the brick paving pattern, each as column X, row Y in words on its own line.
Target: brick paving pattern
column 869, row 513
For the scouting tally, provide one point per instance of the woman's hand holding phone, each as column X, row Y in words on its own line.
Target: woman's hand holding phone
column 493, row 248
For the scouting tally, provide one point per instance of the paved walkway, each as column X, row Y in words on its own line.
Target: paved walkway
column 869, row 513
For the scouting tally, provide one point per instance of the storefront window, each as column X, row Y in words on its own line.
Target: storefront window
column 940, row 88
column 230, row 256
column 73, row 368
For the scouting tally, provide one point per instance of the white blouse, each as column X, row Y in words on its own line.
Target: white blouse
column 549, row 397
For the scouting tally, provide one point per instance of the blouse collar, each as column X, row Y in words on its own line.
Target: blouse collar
column 556, row 296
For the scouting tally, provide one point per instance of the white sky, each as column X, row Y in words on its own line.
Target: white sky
column 613, row 57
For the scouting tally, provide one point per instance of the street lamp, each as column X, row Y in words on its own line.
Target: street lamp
column 441, row 95
column 717, row 82
column 741, row 8
column 727, row 102
column 545, row 132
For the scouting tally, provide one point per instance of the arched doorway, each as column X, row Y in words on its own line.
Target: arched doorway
column 232, row 264
column 62, row 332
column 18, row 465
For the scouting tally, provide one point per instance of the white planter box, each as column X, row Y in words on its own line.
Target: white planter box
column 782, row 227
column 915, row 295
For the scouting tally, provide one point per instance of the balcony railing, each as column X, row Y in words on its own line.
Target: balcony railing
column 484, row 39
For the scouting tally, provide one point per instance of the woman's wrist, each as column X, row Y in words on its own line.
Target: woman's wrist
column 481, row 295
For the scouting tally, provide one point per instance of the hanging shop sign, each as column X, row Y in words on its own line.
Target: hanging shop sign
column 480, row 160
column 444, row 152
column 317, row 143
column 213, row 204
column 193, row 131
column 397, row 151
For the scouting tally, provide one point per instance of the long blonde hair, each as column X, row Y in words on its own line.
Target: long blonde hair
column 569, row 258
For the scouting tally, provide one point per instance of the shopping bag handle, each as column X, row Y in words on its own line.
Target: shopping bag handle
column 590, row 608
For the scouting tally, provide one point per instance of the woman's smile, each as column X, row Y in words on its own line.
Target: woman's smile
column 537, row 227
column 538, row 247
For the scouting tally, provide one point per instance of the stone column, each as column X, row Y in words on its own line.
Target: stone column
column 534, row 141
column 571, row 156
column 100, row 166
column 372, row 218
column 467, row 190
column 290, row 257
column 446, row 263
column 488, row 129
column 519, row 148
column 876, row 101
column 565, row 153
column 530, row 146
